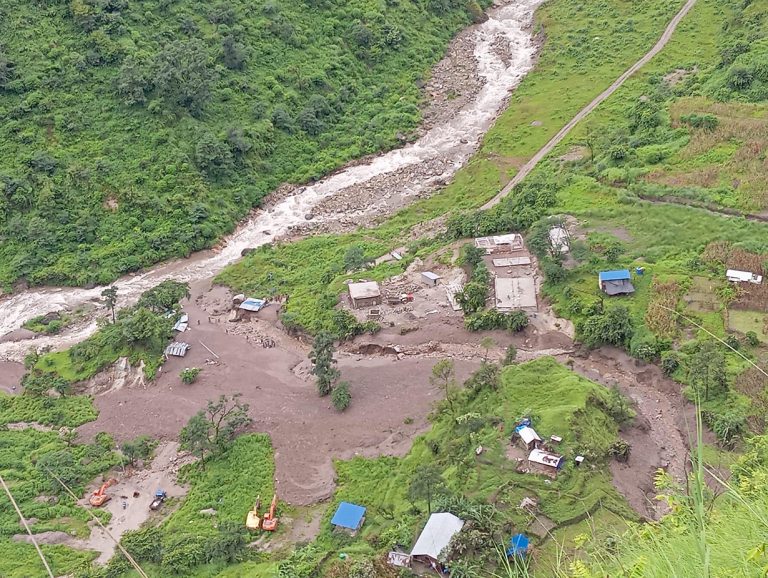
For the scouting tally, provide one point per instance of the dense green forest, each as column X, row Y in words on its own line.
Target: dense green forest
column 135, row 131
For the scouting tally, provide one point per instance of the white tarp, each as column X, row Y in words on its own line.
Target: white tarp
column 437, row 534
column 558, row 238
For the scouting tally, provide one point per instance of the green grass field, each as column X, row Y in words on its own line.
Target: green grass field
column 745, row 321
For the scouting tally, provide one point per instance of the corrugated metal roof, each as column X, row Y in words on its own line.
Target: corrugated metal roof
column 431, row 275
column 437, row 534
column 253, row 304
column 528, row 434
column 178, row 349
column 545, row 458
column 618, row 275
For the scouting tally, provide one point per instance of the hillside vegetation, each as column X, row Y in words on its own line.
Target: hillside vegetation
column 138, row 131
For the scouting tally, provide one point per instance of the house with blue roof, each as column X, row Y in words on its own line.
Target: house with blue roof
column 617, row 282
column 348, row 517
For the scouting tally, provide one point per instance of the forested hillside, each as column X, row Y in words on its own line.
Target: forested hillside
column 137, row 130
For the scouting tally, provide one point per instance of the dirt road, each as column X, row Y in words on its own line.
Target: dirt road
column 526, row 169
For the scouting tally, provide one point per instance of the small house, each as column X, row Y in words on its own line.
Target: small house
column 545, row 462
column 500, row 243
column 518, row 546
column 736, row 276
column 528, row 436
column 365, row 294
column 348, row 517
column 616, row 282
column 430, row 278
column 434, row 538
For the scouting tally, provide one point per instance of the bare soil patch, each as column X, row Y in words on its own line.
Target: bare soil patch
column 306, row 431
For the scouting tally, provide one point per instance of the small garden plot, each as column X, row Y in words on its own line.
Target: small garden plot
column 702, row 295
column 744, row 321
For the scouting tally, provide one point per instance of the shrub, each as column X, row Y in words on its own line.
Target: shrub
column 189, row 375
column 510, row 355
column 751, row 338
column 670, row 361
column 620, row 450
column 340, row 396
column 492, row 319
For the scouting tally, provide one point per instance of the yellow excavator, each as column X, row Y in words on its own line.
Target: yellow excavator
column 253, row 521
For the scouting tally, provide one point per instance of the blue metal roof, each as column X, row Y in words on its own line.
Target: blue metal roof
column 348, row 516
column 620, row 275
column 518, row 545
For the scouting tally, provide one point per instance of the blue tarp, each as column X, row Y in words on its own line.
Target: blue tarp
column 620, row 275
column 524, row 423
column 518, row 545
column 348, row 516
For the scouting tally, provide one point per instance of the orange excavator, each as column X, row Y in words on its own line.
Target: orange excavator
column 269, row 521
column 100, row 496
column 253, row 521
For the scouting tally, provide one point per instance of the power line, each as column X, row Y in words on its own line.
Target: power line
column 107, row 532
column 26, row 526
column 736, row 351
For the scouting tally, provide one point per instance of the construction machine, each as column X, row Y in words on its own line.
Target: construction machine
column 253, row 521
column 160, row 496
column 269, row 521
column 100, row 496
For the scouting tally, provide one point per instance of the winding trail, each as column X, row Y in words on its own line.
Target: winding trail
column 526, row 169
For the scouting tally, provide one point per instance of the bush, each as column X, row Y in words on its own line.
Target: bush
column 670, row 361
column 620, row 450
column 189, row 375
column 492, row 319
column 728, row 425
column 612, row 327
column 340, row 396
column 510, row 355
column 751, row 339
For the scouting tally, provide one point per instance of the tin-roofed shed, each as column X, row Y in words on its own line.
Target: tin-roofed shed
column 430, row 278
column 615, row 282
